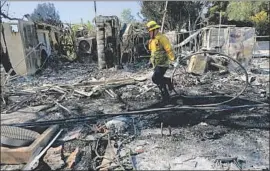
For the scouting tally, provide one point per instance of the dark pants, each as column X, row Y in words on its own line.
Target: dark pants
column 161, row 81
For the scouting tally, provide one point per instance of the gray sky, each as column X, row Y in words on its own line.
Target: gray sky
column 73, row 11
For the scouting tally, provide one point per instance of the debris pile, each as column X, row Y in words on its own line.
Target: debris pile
column 190, row 138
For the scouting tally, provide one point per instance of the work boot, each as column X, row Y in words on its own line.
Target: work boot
column 165, row 95
column 168, row 82
column 170, row 85
column 171, row 88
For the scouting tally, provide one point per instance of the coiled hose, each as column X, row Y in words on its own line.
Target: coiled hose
column 223, row 55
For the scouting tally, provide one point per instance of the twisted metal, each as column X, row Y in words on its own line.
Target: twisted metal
column 222, row 55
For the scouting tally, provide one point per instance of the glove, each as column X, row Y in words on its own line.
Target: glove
column 149, row 64
column 176, row 64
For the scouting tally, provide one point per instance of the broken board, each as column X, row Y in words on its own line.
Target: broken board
column 26, row 114
column 25, row 154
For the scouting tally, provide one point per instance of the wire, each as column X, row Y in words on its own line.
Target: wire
column 216, row 53
column 97, row 154
column 140, row 112
column 103, row 157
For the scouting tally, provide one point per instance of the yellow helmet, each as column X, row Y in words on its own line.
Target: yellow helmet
column 152, row 25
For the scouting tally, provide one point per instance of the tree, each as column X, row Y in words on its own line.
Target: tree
column 4, row 6
column 242, row 11
column 250, row 12
column 179, row 13
column 88, row 26
column 215, row 9
column 127, row 17
column 261, row 22
column 46, row 13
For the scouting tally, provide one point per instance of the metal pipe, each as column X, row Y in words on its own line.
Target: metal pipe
column 139, row 112
column 34, row 163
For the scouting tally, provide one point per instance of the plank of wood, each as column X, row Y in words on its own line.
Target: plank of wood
column 23, row 115
column 109, row 156
column 104, row 82
column 24, row 154
column 72, row 158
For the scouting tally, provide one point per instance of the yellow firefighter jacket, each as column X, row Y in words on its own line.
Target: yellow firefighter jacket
column 161, row 51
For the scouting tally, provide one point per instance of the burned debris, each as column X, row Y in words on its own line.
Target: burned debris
column 80, row 99
column 108, row 43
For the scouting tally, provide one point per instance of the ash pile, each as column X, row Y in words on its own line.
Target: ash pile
column 185, row 139
column 113, row 119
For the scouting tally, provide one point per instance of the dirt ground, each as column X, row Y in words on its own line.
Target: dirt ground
column 200, row 139
column 197, row 142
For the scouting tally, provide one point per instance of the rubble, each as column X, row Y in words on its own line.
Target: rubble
column 71, row 135
column 53, row 158
column 109, row 156
column 72, row 158
column 31, row 153
column 187, row 134
column 118, row 124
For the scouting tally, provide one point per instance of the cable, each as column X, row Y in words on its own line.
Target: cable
column 140, row 112
column 217, row 53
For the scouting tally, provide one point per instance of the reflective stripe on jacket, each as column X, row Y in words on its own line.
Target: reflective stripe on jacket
column 161, row 51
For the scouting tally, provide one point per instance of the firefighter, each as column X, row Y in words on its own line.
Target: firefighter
column 162, row 56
